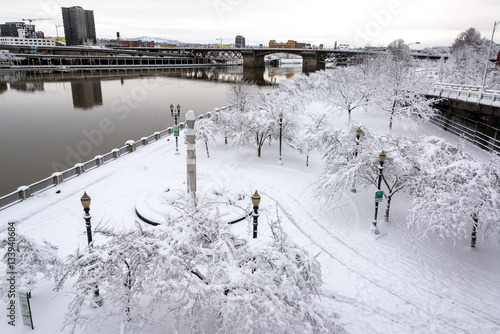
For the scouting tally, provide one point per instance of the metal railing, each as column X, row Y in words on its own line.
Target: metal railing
column 474, row 94
column 25, row 192
column 471, row 130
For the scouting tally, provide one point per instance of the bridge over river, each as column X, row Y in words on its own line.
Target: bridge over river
column 313, row 59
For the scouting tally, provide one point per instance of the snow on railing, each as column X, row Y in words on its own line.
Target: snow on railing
column 473, row 94
column 24, row 192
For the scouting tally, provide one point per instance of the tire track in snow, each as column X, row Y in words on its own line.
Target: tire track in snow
column 435, row 276
column 475, row 275
column 349, row 268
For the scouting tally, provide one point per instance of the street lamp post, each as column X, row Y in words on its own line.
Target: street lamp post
column 85, row 200
column 381, row 157
column 358, row 134
column 281, row 131
column 488, row 55
column 175, row 113
column 255, row 213
column 86, row 208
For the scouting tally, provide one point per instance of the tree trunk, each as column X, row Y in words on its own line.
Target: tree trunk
column 392, row 115
column 386, row 216
column 225, row 140
column 473, row 237
column 128, row 285
column 307, row 161
column 259, row 146
column 206, row 148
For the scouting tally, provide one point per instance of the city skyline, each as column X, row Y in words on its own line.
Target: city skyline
column 361, row 23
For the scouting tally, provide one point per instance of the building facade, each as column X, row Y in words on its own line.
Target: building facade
column 27, row 41
column 20, row 33
column 136, row 44
column 18, row 29
column 79, row 25
column 239, row 41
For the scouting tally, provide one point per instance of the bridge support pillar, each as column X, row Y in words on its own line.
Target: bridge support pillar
column 310, row 62
column 250, row 60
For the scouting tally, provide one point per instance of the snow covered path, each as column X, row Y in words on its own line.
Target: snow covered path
column 413, row 290
column 396, row 283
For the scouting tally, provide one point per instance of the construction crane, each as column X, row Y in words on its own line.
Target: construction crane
column 31, row 20
column 57, row 30
column 221, row 39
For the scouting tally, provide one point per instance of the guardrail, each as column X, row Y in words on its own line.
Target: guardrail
column 25, row 192
column 470, row 133
column 473, row 94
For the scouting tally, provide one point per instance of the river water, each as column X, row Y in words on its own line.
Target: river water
column 50, row 122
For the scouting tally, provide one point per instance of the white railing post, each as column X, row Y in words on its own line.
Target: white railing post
column 130, row 145
column 79, row 168
column 24, row 192
column 57, row 178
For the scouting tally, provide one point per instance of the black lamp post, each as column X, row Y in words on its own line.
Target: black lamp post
column 255, row 213
column 381, row 158
column 281, row 132
column 86, row 208
column 97, row 298
column 175, row 113
column 358, row 134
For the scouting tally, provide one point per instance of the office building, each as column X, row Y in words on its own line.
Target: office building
column 239, row 41
column 20, row 33
column 27, row 41
column 17, row 29
column 79, row 25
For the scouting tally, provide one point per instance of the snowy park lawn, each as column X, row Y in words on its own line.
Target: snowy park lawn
column 395, row 283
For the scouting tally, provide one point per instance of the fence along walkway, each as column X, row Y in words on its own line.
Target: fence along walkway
column 25, row 192
column 474, row 130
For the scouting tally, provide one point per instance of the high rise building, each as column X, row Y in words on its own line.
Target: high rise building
column 89, row 21
column 239, row 41
column 17, row 29
column 79, row 25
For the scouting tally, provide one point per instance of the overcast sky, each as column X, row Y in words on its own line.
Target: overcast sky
column 353, row 22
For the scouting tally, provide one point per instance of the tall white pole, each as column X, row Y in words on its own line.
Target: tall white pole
column 191, row 154
column 488, row 55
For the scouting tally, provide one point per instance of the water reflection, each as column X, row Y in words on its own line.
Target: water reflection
column 27, row 86
column 86, row 94
column 261, row 76
column 42, row 132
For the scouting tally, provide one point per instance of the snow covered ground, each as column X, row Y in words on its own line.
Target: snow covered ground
column 396, row 283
